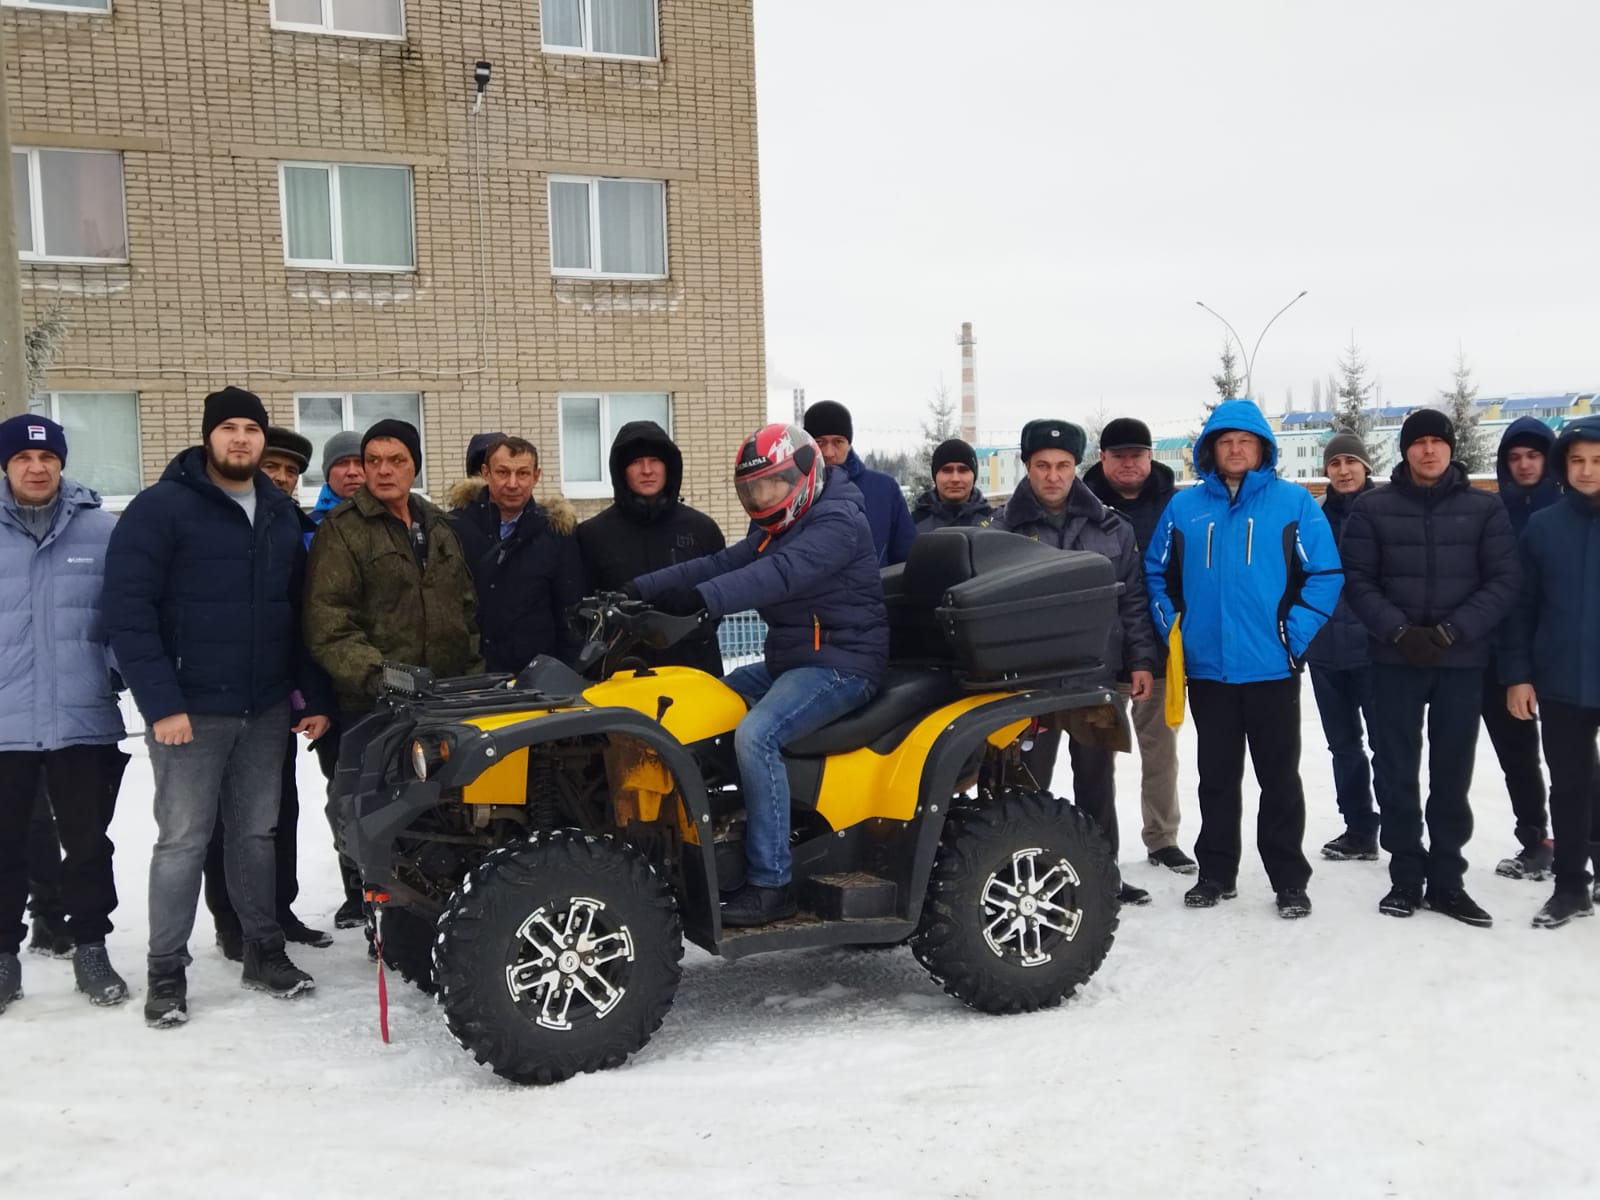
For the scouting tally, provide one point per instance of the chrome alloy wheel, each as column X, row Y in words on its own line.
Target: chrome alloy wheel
column 1021, row 911
column 574, row 963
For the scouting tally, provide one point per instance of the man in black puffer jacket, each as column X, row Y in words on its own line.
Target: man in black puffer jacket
column 955, row 498
column 1431, row 569
column 648, row 528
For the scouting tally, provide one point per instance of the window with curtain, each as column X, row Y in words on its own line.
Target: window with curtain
column 320, row 415
column 102, row 431
column 358, row 18
column 620, row 28
column 69, row 205
column 589, row 423
column 347, row 216
column 608, row 227
column 75, row 5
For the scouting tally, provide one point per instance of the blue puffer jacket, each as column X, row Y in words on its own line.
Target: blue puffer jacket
column 1522, row 502
column 887, row 514
column 204, row 610
column 1255, row 575
column 56, row 689
column 815, row 584
column 1552, row 638
column 1341, row 644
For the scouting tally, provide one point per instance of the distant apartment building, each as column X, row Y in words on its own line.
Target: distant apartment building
column 305, row 198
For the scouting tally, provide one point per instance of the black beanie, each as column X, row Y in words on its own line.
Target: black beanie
column 1126, row 433
column 403, row 432
column 228, row 404
column 954, row 451
column 30, row 431
column 829, row 418
column 1053, row 435
column 1426, row 422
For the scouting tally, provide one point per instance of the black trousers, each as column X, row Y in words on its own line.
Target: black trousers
column 1265, row 718
column 1516, row 745
column 285, row 847
column 44, row 863
column 327, row 747
column 82, row 782
column 1094, row 779
column 1569, row 747
column 1450, row 700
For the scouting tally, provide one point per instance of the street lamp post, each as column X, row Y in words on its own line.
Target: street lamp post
column 1250, row 359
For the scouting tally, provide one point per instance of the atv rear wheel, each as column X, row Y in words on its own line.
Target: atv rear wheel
column 558, row 955
column 1021, row 905
column 408, row 947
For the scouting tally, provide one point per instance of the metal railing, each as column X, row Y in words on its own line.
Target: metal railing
column 742, row 637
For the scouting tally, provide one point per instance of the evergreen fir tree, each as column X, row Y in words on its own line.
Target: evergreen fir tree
column 940, row 426
column 1461, row 399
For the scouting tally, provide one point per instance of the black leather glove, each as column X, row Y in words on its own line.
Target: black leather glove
column 1420, row 645
column 630, row 590
column 678, row 602
column 1444, row 635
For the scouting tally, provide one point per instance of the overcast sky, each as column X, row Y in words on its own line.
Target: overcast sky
column 1072, row 176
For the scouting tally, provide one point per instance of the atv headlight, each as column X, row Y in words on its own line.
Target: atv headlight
column 419, row 760
column 425, row 755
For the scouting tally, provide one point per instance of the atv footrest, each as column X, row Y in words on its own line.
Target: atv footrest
column 849, row 896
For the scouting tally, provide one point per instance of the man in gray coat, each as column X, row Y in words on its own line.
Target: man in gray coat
column 1052, row 505
column 59, row 719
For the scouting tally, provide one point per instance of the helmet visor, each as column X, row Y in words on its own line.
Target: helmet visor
column 768, row 491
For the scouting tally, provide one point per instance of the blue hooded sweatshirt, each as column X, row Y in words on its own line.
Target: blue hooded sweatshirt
column 1254, row 574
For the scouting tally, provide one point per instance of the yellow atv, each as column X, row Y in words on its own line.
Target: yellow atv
column 541, row 845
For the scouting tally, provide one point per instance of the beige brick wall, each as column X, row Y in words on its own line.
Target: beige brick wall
column 204, row 99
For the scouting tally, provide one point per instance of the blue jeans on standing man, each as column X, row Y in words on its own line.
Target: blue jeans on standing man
column 799, row 701
column 1344, row 700
column 234, row 765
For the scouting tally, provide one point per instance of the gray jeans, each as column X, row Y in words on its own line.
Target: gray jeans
column 1158, row 767
column 234, row 766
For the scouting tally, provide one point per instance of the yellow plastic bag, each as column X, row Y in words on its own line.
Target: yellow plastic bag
column 1175, row 681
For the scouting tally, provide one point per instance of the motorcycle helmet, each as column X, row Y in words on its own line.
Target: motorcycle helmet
column 778, row 474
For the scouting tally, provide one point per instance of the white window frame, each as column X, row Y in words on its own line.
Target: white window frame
column 594, row 271
column 48, row 6
column 326, row 27
column 36, row 207
column 585, row 50
column 307, row 494
column 588, row 489
column 53, row 399
column 336, row 230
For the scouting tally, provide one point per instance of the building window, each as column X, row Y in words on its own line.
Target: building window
column 608, row 227
column 356, row 218
column 69, row 205
column 320, row 415
column 354, row 18
column 63, row 5
column 102, row 438
column 618, row 28
column 589, row 423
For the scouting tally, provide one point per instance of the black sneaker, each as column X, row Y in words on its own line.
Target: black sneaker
column 10, row 980
column 1351, row 847
column 1401, row 902
column 166, row 999
column 297, row 931
column 1456, row 904
column 1173, row 859
column 96, row 977
column 1563, row 907
column 1205, row 894
column 1294, row 903
column 267, row 969
column 352, row 914
column 49, row 937
column 1132, row 895
column 752, row 905
column 1535, row 862
column 230, row 940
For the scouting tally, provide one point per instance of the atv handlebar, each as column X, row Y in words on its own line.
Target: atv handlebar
column 611, row 618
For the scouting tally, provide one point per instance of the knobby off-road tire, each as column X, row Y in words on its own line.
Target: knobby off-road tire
column 558, row 955
column 408, row 947
column 1021, row 906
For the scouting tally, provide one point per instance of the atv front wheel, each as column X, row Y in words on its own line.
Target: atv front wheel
column 1021, row 906
column 558, row 955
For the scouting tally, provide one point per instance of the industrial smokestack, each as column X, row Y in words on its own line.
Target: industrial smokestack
column 969, row 385
column 799, row 405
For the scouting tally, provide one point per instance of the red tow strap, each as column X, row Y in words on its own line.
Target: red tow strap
column 377, row 900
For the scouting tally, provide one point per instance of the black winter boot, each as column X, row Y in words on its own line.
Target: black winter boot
column 1207, row 893
column 1401, row 902
column 1293, row 903
column 166, row 999
column 49, row 937
column 1128, row 894
column 1564, row 907
column 1456, row 904
column 1533, row 862
column 230, row 938
column 297, row 931
column 1348, row 847
column 752, row 905
column 10, row 980
column 267, row 969
column 96, row 977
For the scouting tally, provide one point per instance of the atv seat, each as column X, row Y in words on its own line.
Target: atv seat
column 907, row 695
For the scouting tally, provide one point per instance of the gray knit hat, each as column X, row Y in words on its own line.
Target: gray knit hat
column 1346, row 443
column 340, row 445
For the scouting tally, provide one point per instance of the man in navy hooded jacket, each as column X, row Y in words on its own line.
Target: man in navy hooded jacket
column 829, row 423
column 1247, row 562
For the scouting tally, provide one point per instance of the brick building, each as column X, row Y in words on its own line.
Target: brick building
column 297, row 196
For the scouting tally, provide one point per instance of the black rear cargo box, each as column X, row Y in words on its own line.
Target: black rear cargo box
column 1000, row 608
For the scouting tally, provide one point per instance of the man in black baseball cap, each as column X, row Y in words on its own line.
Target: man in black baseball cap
column 954, row 498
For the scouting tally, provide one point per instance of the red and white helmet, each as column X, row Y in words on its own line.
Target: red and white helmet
column 778, row 473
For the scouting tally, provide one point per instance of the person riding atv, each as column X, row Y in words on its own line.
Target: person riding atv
column 808, row 567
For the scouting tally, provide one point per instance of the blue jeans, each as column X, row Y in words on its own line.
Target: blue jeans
column 1344, row 699
column 240, row 761
column 799, row 701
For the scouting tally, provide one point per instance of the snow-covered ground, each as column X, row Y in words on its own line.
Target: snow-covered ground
column 1224, row 1053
